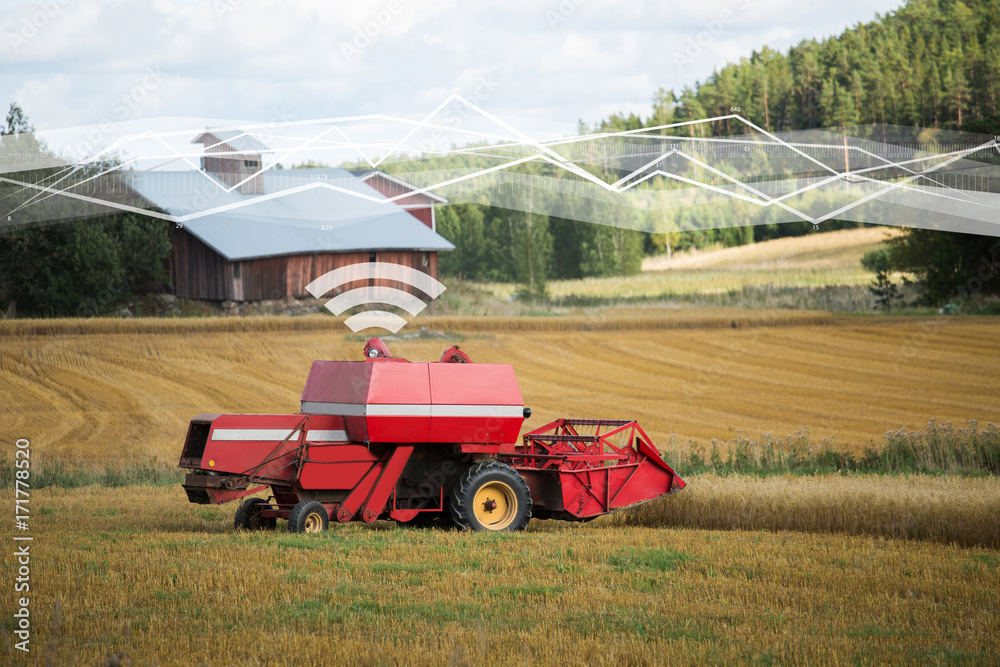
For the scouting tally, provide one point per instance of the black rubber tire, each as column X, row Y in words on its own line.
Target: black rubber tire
column 463, row 496
column 308, row 516
column 248, row 516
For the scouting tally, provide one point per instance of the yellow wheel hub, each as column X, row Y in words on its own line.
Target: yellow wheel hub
column 495, row 505
column 314, row 523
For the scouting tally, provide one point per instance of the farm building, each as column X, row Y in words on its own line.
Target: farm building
column 420, row 205
column 257, row 235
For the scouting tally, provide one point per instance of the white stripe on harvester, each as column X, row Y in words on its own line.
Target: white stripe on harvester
column 385, row 410
column 408, row 410
column 317, row 435
column 339, row 409
column 388, row 410
column 254, row 434
column 477, row 411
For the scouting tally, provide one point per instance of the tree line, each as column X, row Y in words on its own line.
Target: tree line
column 80, row 269
column 930, row 64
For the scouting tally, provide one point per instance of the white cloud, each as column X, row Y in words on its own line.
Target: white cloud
column 557, row 60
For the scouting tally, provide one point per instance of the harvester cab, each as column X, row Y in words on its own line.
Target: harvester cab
column 417, row 443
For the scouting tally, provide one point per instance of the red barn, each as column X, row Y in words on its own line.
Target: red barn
column 248, row 234
column 420, row 205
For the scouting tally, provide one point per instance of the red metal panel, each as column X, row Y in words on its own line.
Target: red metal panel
column 232, row 447
column 318, row 423
column 476, row 430
column 335, row 466
column 337, row 382
column 399, row 383
column 602, row 466
column 474, row 384
column 352, row 503
column 333, row 384
column 492, row 387
column 386, row 483
column 399, row 397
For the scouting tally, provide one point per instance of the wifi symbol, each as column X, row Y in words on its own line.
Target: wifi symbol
column 370, row 271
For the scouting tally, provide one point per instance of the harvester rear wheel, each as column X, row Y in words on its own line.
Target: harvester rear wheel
column 248, row 516
column 308, row 516
column 491, row 496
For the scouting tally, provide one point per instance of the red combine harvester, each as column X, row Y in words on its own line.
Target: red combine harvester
column 418, row 443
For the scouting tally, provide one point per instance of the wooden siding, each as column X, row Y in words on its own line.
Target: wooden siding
column 420, row 206
column 263, row 279
column 231, row 169
column 424, row 214
column 303, row 269
column 201, row 273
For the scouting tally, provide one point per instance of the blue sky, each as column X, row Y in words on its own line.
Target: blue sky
column 544, row 64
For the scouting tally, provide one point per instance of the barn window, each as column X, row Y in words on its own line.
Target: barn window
column 237, row 270
column 425, row 260
column 371, row 257
column 252, row 164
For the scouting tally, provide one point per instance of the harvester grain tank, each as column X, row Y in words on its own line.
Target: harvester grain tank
column 418, row 443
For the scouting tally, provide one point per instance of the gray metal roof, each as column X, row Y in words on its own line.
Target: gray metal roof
column 365, row 174
column 235, row 139
column 300, row 211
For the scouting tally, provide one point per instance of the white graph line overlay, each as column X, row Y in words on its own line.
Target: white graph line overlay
column 912, row 179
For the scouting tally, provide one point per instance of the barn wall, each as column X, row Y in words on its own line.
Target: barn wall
column 419, row 205
column 199, row 271
column 303, row 269
column 263, row 279
column 424, row 215
column 231, row 169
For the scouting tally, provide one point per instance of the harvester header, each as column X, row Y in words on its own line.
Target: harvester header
column 415, row 442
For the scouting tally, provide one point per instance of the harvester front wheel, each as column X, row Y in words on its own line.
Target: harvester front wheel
column 308, row 516
column 248, row 515
column 491, row 496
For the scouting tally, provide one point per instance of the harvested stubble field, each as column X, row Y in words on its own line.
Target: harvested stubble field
column 831, row 259
column 140, row 574
column 712, row 575
column 106, row 391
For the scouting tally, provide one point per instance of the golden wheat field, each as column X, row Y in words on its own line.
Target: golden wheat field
column 840, row 250
column 952, row 510
column 815, row 260
column 111, row 391
column 139, row 575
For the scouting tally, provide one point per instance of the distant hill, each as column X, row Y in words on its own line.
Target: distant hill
column 931, row 63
